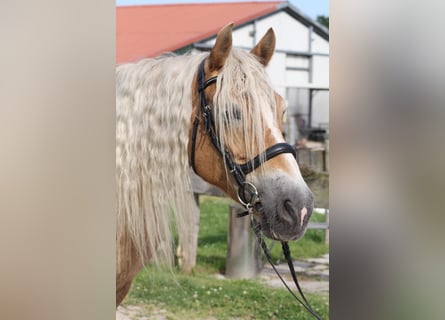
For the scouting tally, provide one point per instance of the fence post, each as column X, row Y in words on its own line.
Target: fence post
column 326, row 233
column 243, row 252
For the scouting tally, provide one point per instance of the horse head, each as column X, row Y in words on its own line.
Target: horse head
column 236, row 141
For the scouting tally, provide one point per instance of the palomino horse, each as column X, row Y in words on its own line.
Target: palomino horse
column 165, row 124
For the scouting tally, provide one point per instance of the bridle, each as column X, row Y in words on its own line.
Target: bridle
column 247, row 192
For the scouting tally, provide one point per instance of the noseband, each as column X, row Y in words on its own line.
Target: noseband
column 247, row 192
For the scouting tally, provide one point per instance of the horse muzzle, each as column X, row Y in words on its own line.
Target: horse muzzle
column 284, row 208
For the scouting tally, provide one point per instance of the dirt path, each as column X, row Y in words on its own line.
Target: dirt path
column 315, row 272
column 138, row 313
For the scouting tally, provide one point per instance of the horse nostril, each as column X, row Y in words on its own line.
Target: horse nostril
column 291, row 215
column 288, row 205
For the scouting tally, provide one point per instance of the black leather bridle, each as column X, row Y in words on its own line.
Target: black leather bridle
column 247, row 192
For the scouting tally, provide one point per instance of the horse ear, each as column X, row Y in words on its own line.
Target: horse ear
column 221, row 49
column 265, row 48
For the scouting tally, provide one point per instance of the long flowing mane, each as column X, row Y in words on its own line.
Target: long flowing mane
column 154, row 103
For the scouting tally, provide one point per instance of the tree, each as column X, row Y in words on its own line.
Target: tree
column 323, row 20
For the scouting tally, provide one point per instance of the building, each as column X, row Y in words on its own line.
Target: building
column 299, row 69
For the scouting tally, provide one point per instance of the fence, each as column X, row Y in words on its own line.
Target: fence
column 314, row 155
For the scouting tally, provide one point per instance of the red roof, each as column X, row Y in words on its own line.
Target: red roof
column 147, row 31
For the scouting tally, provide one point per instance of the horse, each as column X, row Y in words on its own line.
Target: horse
column 210, row 111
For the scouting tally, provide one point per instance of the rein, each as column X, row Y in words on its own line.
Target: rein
column 247, row 192
column 287, row 255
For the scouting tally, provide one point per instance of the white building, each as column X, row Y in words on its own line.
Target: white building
column 299, row 68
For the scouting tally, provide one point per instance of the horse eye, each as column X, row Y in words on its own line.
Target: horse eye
column 234, row 114
column 237, row 114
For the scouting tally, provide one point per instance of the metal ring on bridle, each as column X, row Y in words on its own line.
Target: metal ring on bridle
column 249, row 189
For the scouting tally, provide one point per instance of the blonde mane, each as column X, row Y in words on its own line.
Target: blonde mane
column 153, row 107
column 154, row 104
column 244, row 100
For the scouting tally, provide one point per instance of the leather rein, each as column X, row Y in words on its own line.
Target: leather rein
column 247, row 192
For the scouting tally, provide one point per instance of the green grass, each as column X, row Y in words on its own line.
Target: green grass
column 201, row 295
column 212, row 238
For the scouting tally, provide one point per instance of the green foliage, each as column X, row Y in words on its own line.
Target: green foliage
column 323, row 20
column 202, row 295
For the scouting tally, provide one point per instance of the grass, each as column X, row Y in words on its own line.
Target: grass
column 202, row 295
